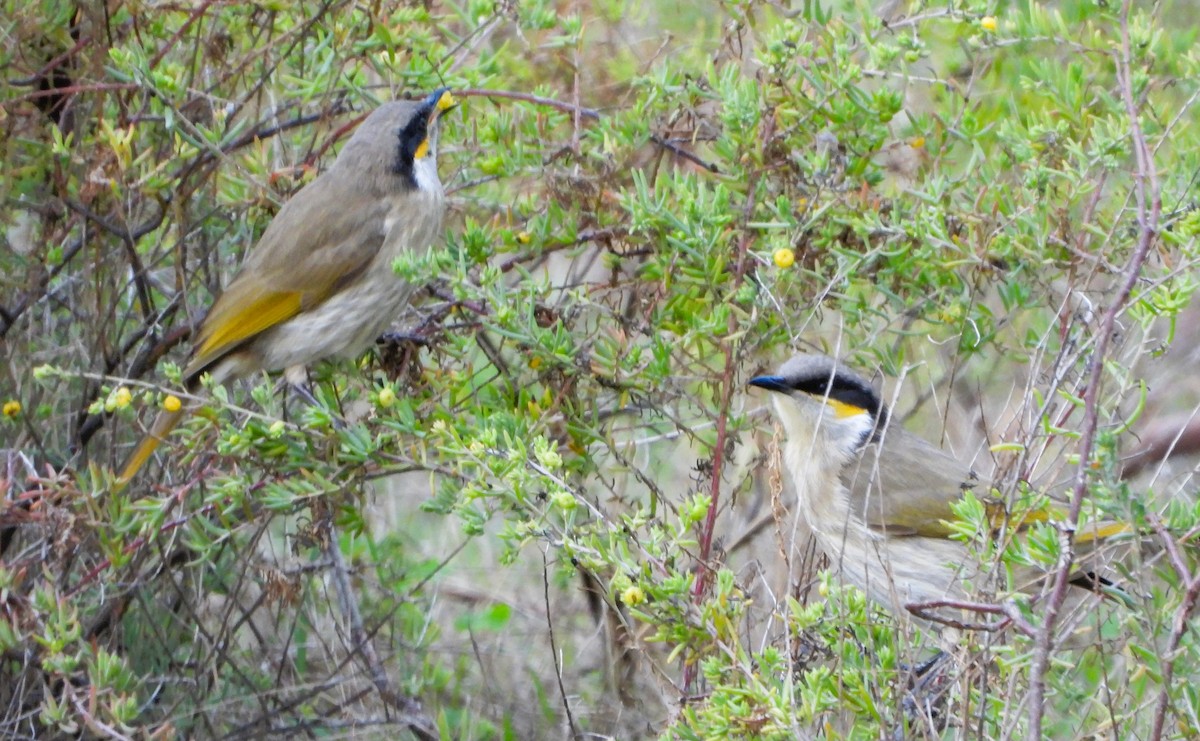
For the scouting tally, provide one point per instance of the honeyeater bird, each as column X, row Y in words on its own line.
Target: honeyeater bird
column 320, row 282
column 878, row 499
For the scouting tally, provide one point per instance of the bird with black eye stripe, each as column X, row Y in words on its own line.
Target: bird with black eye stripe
column 878, row 498
column 320, row 282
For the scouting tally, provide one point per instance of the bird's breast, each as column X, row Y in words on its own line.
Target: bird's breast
column 412, row 220
column 351, row 319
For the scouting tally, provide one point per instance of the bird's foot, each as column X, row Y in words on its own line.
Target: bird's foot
column 301, row 385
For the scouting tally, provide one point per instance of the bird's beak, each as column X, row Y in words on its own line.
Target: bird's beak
column 770, row 383
column 440, row 101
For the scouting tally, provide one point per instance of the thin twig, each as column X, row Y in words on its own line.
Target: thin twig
column 1175, row 435
column 685, row 154
column 1012, row 616
column 38, row 290
column 562, row 690
column 1149, row 208
column 587, row 235
column 1179, row 626
column 71, row 90
column 730, row 348
column 416, row 720
column 580, row 112
column 590, row 113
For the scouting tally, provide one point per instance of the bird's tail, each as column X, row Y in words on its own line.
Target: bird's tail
column 163, row 424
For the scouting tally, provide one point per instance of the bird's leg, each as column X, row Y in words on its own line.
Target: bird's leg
column 297, row 379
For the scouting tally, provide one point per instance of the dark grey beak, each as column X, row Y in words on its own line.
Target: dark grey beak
column 771, row 383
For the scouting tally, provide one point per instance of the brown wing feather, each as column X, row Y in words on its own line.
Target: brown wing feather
column 314, row 246
column 906, row 485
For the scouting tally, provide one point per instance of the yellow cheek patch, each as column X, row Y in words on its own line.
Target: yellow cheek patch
column 841, row 409
column 422, row 150
column 446, row 102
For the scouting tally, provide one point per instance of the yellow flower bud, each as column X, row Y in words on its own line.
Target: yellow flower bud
column 387, row 398
column 563, row 500
column 172, row 403
column 633, row 596
column 118, row 398
column 12, row 408
column 784, row 257
column 988, row 23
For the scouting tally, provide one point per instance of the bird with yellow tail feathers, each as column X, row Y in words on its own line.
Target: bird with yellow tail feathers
column 879, row 499
column 320, row 282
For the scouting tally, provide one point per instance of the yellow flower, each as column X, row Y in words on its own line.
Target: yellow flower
column 918, row 142
column 118, row 398
column 122, row 397
column 633, row 596
column 172, row 403
column 524, row 237
column 784, row 257
column 12, row 408
column 988, row 23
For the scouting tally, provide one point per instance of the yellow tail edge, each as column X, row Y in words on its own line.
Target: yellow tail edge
column 163, row 424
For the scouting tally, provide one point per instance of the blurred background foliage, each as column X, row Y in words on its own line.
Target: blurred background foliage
column 553, row 509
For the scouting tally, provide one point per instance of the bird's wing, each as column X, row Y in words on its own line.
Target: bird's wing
column 314, row 246
column 905, row 485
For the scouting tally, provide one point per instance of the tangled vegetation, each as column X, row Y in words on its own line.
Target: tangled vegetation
column 546, row 504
